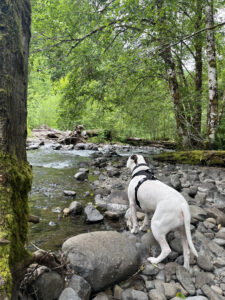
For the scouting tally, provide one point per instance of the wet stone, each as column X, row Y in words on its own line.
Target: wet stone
column 185, row 279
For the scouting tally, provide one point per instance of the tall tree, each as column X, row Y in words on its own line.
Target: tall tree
column 212, row 117
column 15, row 172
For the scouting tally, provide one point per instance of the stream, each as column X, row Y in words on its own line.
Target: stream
column 53, row 173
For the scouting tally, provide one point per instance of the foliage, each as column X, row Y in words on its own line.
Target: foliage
column 100, row 63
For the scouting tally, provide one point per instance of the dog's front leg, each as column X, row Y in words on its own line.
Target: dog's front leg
column 135, row 228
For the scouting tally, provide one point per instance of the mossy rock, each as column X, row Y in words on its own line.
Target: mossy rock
column 196, row 157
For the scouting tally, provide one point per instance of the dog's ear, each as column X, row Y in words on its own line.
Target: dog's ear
column 134, row 158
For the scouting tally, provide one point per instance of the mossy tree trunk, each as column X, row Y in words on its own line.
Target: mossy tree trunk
column 15, row 172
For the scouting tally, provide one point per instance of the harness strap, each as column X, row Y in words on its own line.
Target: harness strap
column 148, row 176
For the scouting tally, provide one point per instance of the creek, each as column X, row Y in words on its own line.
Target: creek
column 53, row 173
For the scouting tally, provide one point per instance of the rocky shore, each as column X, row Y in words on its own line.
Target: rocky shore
column 107, row 265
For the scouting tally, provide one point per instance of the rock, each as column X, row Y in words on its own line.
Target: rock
column 203, row 278
column 197, row 212
column 210, row 293
column 217, row 214
column 82, row 174
column 118, row 201
column 150, row 270
column 48, row 286
column 170, row 270
column 184, row 278
column 81, row 287
column 80, row 146
column 175, row 182
column 170, row 290
column 112, row 215
column 69, row 294
column 66, row 211
column 219, row 262
column 221, row 233
column 102, row 258
column 220, row 242
column 117, row 292
column 131, row 294
column 69, row 193
column 196, row 298
column 205, row 263
column 75, row 207
column 92, row 214
column 208, row 225
column 101, row 296
column 176, row 245
column 112, row 172
column 156, row 295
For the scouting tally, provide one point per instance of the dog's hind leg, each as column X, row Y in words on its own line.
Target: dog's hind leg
column 161, row 239
column 186, row 250
column 133, row 209
column 146, row 223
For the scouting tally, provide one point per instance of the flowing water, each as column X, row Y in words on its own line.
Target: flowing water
column 53, row 173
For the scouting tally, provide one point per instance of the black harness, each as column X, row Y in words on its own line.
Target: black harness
column 148, row 176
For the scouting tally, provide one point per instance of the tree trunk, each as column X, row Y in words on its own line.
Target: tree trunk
column 15, row 172
column 212, row 117
column 176, row 97
column 198, row 44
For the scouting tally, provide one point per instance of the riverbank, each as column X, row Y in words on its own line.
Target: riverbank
column 106, row 182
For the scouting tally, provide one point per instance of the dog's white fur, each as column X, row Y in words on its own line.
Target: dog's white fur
column 171, row 211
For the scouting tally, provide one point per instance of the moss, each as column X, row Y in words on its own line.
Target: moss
column 196, row 157
column 15, row 183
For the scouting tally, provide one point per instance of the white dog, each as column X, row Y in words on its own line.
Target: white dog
column 171, row 211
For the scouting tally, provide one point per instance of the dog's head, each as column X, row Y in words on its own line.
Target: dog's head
column 134, row 160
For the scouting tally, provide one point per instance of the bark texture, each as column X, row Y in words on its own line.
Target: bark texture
column 14, row 49
column 15, row 172
column 212, row 118
column 176, row 97
column 198, row 67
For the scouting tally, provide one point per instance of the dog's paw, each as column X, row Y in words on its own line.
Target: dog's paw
column 134, row 230
column 152, row 260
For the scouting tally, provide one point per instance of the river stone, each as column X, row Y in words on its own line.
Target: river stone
column 184, row 278
column 81, row 287
column 205, row 263
column 102, row 258
column 221, row 233
column 48, row 286
column 69, row 193
column 101, row 296
column 203, row 278
column 175, row 182
column 69, row 294
column 131, row 294
column 118, row 201
column 170, row 290
column 92, row 214
column 197, row 298
column 156, row 295
column 81, row 176
column 197, row 212
column 214, row 212
column 112, row 171
column 75, row 207
column 210, row 293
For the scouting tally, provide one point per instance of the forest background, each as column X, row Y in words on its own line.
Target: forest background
column 133, row 67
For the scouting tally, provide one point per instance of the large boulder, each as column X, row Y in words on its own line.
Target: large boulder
column 102, row 258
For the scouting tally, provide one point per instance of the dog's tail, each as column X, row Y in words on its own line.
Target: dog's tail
column 187, row 219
